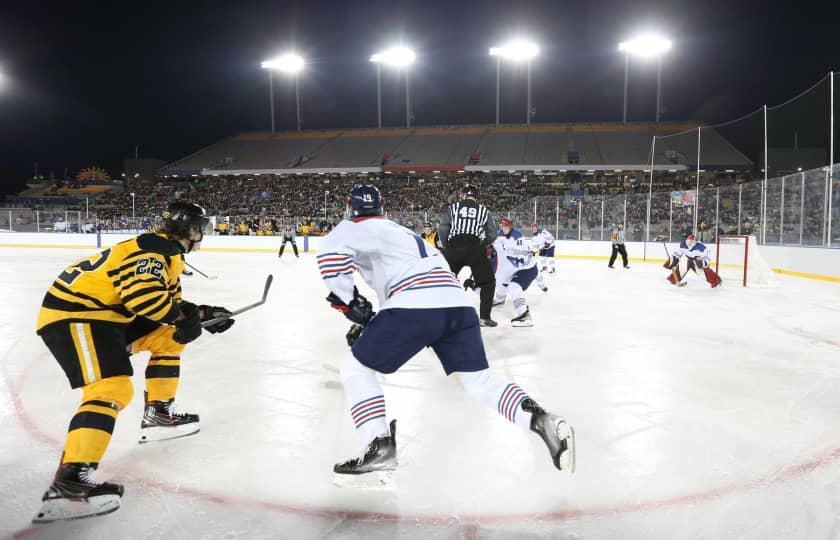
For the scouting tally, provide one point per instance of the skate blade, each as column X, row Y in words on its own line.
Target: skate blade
column 521, row 324
column 66, row 509
column 373, row 480
column 159, row 433
column 566, row 460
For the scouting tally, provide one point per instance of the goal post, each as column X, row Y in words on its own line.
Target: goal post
column 738, row 258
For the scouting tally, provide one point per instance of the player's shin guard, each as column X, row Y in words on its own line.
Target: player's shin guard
column 91, row 427
column 162, row 376
column 497, row 393
column 364, row 398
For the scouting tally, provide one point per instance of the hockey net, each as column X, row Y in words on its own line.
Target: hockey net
column 738, row 259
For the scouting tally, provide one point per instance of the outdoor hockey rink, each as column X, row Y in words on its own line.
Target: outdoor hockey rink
column 699, row 413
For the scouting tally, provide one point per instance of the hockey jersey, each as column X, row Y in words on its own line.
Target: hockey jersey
column 697, row 251
column 544, row 238
column 514, row 253
column 403, row 269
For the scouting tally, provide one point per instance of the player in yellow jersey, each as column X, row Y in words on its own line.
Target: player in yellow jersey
column 126, row 298
column 430, row 235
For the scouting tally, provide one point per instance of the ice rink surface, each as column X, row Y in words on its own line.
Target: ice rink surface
column 700, row 414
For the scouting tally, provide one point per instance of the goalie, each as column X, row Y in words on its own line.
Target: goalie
column 697, row 257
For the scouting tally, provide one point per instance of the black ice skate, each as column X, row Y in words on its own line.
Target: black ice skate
column 161, row 422
column 555, row 432
column 74, row 495
column 522, row 320
column 487, row 323
column 375, row 468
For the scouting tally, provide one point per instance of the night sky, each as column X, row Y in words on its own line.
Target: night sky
column 84, row 82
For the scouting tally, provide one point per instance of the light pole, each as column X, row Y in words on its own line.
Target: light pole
column 133, row 215
column 401, row 58
column 645, row 46
column 516, row 51
column 291, row 64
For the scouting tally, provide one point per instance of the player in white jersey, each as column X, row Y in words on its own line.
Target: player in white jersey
column 421, row 304
column 516, row 269
column 697, row 256
column 545, row 240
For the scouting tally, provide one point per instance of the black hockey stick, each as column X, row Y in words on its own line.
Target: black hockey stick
column 249, row 307
column 200, row 272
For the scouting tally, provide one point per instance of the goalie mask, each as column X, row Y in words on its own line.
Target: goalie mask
column 690, row 241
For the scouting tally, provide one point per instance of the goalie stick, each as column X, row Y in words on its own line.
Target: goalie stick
column 249, row 307
column 200, row 272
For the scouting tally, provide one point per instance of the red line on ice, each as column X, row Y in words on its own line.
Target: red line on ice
column 476, row 520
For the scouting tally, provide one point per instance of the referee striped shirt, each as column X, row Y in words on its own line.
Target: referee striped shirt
column 467, row 217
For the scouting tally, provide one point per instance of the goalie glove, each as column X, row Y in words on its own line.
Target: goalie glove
column 214, row 312
column 359, row 310
column 672, row 263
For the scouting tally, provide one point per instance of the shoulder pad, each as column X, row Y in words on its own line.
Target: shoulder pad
column 157, row 243
column 515, row 234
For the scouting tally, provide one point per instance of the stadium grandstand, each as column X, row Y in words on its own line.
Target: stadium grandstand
column 545, row 147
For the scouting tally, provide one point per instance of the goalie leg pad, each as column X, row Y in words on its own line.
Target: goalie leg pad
column 713, row 279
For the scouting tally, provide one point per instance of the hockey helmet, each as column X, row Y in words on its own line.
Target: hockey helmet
column 365, row 200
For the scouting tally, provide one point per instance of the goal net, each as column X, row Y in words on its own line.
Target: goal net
column 738, row 259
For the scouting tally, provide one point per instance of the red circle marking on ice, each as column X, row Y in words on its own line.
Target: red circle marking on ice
column 472, row 522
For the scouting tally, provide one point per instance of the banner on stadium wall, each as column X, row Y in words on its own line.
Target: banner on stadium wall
column 682, row 198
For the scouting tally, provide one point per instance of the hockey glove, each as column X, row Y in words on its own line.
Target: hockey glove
column 214, row 312
column 189, row 327
column 359, row 310
column 353, row 334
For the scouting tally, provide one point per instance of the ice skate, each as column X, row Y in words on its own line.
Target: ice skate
column 522, row 320
column 161, row 422
column 375, row 468
column 74, row 495
column 542, row 287
column 487, row 323
column 557, row 434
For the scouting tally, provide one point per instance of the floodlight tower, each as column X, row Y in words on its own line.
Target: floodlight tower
column 291, row 64
column 645, row 46
column 516, row 51
column 401, row 58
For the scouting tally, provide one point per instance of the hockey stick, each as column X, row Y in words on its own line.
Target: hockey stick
column 249, row 307
column 200, row 272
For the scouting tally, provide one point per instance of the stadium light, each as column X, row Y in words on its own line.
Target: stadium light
column 399, row 57
column 290, row 64
column 518, row 50
column 645, row 46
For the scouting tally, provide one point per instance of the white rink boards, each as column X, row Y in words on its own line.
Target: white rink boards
column 699, row 413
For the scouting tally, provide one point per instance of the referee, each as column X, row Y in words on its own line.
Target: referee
column 466, row 231
column 617, row 237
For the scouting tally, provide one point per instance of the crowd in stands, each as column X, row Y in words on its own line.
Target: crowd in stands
column 264, row 205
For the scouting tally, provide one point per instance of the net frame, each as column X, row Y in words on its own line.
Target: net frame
column 746, row 240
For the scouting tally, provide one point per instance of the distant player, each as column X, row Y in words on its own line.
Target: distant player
column 430, row 235
column 516, row 269
column 288, row 236
column 126, row 298
column 546, row 253
column 697, row 256
column 617, row 238
column 421, row 304
column 545, row 240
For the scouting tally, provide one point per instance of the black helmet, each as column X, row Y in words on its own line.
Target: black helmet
column 469, row 190
column 180, row 217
